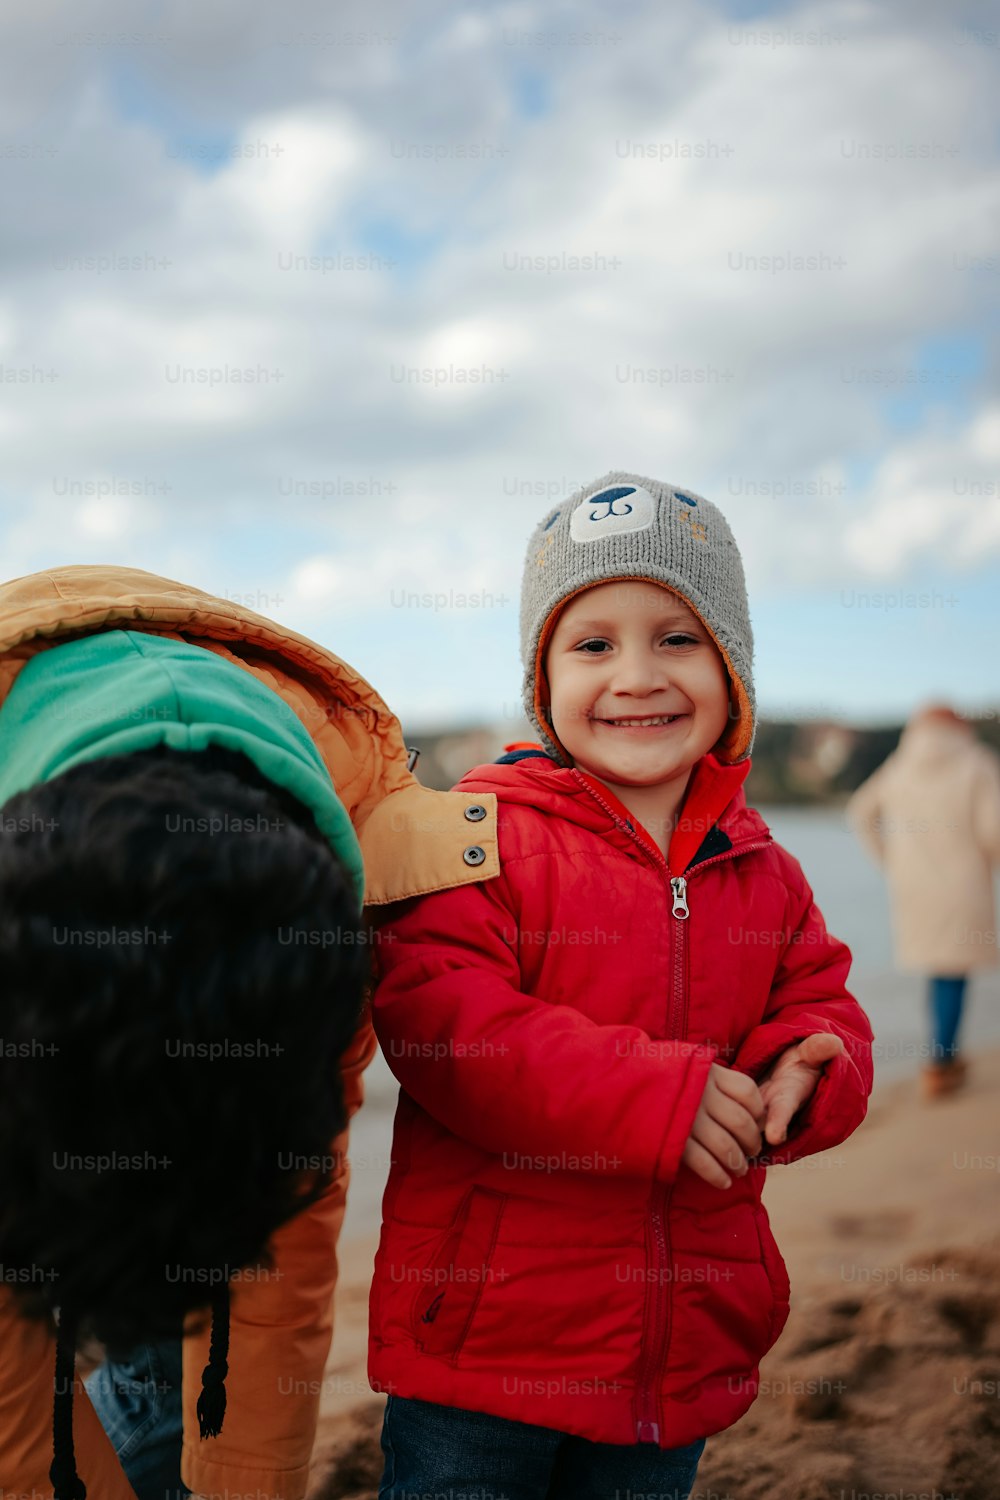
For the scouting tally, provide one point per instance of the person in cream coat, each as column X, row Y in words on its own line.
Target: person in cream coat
column 930, row 816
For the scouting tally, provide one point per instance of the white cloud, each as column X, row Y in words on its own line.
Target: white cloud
column 366, row 576
column 760, row 157
column 936, row 499
column 284, row 182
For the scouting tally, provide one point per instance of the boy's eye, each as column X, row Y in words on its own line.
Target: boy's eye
column 597, row 647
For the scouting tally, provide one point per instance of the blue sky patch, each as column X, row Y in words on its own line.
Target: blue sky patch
column 532, row 94
column 391, row 241
column 138, row 99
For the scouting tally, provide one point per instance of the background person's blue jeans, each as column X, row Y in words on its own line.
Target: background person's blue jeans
column 947, row 996
column 138, row 1401
column 432, row 1449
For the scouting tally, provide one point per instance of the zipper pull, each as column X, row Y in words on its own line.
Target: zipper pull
column 680, row 907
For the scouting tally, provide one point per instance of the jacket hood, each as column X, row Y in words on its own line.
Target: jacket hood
column 123, row 691
column 413, row 839
column 714, row 799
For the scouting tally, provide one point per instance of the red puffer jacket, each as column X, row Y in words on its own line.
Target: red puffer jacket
column 544, row 1254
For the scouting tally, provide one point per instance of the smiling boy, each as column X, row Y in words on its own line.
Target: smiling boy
column 621, row 1302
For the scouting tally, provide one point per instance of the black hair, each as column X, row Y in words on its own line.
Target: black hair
column 182, row 966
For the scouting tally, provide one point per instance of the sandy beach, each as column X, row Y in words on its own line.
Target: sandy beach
column 884, row 1384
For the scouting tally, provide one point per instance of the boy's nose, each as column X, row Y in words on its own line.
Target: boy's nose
column 638, row 674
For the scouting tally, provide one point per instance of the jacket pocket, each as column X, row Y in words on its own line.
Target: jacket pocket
column 777, row 1274
column 453, row 1283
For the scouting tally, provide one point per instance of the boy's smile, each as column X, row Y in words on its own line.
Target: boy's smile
column 639, row 692
column 661, row 721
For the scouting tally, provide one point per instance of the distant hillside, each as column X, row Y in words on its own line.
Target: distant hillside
column 810, row 762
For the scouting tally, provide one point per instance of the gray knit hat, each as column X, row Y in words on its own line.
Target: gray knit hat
column 624, row 526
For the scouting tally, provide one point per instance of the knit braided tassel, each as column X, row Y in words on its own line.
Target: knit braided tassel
column 212, row 1398
column 66, row 1482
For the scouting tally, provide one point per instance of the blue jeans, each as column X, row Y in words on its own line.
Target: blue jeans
column 450, row 1452
column 138, row 1401
column 947, row 996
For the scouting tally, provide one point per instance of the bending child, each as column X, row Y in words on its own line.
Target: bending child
column 194, row 801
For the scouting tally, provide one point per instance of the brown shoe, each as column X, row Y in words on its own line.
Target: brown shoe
column 939, row 1079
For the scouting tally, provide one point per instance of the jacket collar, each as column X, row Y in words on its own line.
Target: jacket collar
column 714, row 816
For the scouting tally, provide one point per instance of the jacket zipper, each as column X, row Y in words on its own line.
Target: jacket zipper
column 646, row 1406
column 647, row 1425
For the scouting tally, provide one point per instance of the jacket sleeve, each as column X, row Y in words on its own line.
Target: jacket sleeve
column 864, row 813
column 281, row 1325
column 27, row 1383
column 809, row 995
column 509, row 1072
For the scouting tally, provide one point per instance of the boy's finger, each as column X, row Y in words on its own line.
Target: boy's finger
column 741, row 1087
column 821, row 1047
column 724, row 1147
column 782, row 1106
column 739, row 1122
column 706, row 1166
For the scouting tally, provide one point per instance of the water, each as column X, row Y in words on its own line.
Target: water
column 851, row 893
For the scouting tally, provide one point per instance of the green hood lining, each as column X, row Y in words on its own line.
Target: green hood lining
column 121, row 691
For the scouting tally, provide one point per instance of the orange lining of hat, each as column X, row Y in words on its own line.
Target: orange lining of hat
column 736, row 739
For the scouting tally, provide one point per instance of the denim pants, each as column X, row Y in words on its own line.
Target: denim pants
column 138, row 1401
column 433, row 1450
column 947, row 996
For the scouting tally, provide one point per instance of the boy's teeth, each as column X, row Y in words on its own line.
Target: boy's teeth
column 636, row 723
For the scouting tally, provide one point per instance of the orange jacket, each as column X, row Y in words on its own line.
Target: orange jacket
column 414, row 840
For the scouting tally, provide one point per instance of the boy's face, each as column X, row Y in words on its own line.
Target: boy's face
column 639, row 691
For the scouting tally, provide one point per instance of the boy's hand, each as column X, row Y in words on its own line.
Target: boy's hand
column 792, row 1079
column 726, row 1129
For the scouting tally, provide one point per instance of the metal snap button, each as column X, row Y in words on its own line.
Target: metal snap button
column 474, row 855
column 476, row 813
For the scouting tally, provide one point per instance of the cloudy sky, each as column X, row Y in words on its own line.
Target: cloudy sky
column 324, row 306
